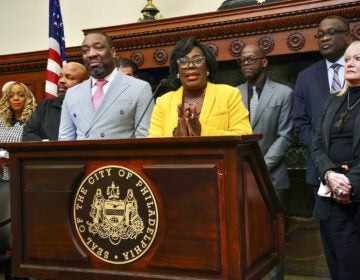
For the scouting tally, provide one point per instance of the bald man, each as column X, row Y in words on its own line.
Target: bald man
column 270, row 116
column 45, row 120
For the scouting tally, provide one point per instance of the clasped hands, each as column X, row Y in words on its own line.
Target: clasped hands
column 188, row 121
column 340, row 186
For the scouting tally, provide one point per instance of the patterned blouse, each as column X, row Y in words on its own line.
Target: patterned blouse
column 10, row 134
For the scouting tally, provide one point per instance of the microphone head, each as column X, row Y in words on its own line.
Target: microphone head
column 163, row 82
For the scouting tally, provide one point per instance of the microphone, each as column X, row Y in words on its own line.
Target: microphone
column 162, row 83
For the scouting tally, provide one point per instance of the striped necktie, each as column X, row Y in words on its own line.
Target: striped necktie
column 336, row 84
column 253, row 103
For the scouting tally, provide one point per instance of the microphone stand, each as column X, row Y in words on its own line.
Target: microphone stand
column 161, row 83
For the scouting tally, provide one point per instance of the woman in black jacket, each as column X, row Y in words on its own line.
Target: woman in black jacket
column 336, row 155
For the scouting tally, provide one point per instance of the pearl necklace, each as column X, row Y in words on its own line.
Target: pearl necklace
column 194, row 100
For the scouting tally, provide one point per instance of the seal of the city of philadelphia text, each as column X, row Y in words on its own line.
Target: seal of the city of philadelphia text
column 115, row 214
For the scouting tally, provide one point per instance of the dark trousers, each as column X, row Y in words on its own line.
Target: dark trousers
column 4, row 213
column 278, row 272
column 341, row 241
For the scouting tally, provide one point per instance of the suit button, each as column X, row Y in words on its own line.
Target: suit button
column 87, row 135
column 122, row 112
column 102, row 134
column 74, row 115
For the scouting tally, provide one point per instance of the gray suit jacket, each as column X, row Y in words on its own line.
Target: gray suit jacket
column 117, row 116
column 273, row 120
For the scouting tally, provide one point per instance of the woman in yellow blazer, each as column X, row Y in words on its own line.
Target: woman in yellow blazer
column 197, row 106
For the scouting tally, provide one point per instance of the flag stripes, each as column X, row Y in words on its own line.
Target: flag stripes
column 56, row 54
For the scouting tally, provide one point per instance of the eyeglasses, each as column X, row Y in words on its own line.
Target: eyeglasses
column 197, row 61
column 329, row 33
column 249, row 59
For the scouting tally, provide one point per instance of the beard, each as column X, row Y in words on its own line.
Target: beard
column 98, row 72
column 105, row 67
column 61, row 94
column 253, row 75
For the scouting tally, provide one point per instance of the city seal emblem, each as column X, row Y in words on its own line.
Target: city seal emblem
column 115, row 214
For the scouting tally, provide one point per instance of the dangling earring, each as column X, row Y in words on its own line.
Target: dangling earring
column 207, row 73
column 178, row 76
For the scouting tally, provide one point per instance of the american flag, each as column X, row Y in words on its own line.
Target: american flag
column 56, row 56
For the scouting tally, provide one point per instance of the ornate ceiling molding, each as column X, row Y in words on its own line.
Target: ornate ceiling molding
column 236, row 28
column 32, row 62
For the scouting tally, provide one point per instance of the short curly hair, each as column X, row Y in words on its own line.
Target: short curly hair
column 181, row 49
column 5, row 111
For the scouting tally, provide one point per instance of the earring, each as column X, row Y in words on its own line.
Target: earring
column 178, row 76
column 207, row 73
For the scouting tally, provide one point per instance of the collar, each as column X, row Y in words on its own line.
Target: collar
column 109, row 78
column 56, row 102
column 340, row 61
column 15, row 121
column 259, row 86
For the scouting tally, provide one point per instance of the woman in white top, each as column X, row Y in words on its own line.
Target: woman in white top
column 16, row 106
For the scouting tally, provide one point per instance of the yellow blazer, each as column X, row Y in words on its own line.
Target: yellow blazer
column 222, row 113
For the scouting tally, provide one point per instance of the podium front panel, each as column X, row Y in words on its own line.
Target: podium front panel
column 143, row 210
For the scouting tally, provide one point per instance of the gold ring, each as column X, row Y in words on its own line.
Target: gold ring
column 340, row 192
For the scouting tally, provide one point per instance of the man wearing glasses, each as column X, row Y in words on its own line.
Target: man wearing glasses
column 270, row 107
column 313, row 85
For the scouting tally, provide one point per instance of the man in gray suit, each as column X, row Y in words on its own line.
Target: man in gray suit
column 122, row 109
column 270, row 115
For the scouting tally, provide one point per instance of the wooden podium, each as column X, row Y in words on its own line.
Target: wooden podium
column 212, row 212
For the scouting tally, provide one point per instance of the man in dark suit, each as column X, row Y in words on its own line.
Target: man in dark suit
column 271, row 117
column 312, row 87
column 45, row 120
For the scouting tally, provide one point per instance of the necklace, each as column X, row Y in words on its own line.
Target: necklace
column 344, row 116
column 194, row 100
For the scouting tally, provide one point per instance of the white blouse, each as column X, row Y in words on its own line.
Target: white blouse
column 10, row 134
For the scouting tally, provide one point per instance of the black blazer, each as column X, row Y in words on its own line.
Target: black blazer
column 319, row 153
column 44, row 121
column 311, row 89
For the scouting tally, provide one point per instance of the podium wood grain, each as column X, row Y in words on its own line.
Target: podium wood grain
column 218, row 213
